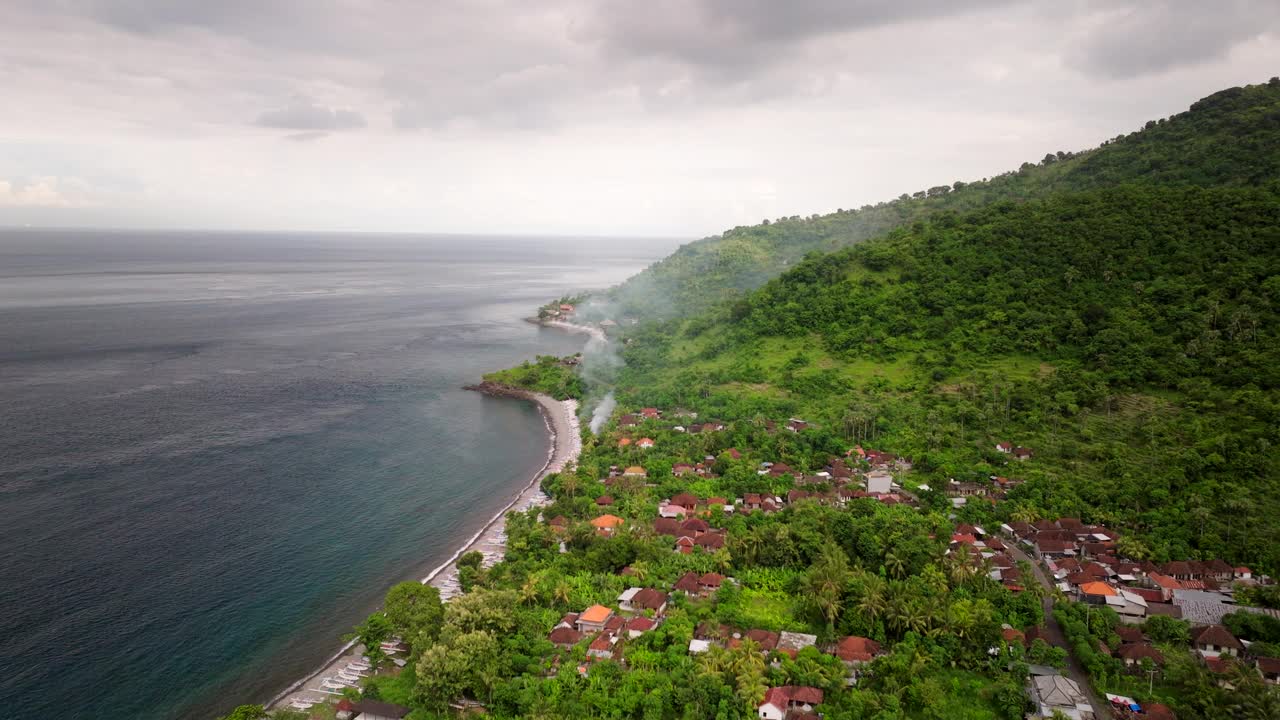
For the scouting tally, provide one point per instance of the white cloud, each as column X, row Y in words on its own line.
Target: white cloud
column 43, row 192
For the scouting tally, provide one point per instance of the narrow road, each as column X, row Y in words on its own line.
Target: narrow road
column 1101, row 708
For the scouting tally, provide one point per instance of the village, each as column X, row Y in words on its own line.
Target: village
column 1130, row 616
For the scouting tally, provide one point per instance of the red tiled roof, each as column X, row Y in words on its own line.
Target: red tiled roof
column 649, row 599
column 1215, row 635
column 564, row 636
column 688, row 582
column 857, row 649
column 711, row 580
column 1138, row 651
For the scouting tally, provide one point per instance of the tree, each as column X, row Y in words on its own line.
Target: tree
column 824, row 584
column 469, row 663
column 371, row 633
column 247, row 712
column 415, row 612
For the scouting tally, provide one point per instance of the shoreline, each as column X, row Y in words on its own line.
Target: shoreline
column 561, row 420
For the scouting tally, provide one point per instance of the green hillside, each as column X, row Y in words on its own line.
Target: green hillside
column 1127, row 335
column 1229, row 138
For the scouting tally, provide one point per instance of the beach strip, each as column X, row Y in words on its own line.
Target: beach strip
column 561, row 418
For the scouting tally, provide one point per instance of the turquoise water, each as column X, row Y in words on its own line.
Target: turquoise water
column 218, row 451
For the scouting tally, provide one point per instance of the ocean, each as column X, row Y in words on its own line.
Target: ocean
column 218, row 450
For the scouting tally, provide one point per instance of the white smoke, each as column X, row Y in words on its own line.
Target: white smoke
column 602, row 412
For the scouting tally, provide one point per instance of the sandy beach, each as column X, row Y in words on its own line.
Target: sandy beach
column 561, row 418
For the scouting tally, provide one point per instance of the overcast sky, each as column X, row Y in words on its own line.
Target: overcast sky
column 650, row 117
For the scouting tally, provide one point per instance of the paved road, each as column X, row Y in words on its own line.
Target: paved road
column 1056, row 637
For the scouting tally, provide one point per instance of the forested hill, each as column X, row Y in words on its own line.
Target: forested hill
column 1128, row 335
column 1229, row 138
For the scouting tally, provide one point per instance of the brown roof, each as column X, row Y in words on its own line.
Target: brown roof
column 1055, row 545
column 1138, row 651
column 639, row 623
column 711, row 580
column 649, row 599
column 766, row 639
column 695, row 525
column 1269, row 665
column 856, row 649
column 1215, row 635
column 712, row 541
column 604, row 500
column 684, row 499
column 564, row 636
column 688, row 582
column 607, row 521
column 667, row 526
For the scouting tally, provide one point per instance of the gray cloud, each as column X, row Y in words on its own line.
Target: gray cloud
column 751, row 33
column 1132, row 39
column 304, row 114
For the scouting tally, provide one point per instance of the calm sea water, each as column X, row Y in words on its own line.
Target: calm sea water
column 217, row 451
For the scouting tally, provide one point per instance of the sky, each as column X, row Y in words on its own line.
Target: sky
column 653, row 117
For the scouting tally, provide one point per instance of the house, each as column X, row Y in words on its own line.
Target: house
column 710, row 541
column 667, row 526
column 593, row 619
column 767, row 640
column 667, row 510
column 793, row 642
column 780, row 701
column 651, row 413
column 635, row 471
column 1269, row 669
column 681, row 469
column 1051, row 548
column 1022, row 453
column 1131, row 654
column 624, row 442
column 1055, row 693
column 640, row 599
column 710, row 582
column 796, row 425
column 376, row 710
column 854, row 650
column 694, row 527
column 688, row 584
column 638, row 626
column 344, row 709
column 1243, row 573
column 688, row 501
column 627, row 420
column 879, row 481
column 566, row 309
column 733, row 454
column 607, row 524
column 604, row 501
column 644, row 443
column 601, row 647
column 1213, row 641
column 564, row 636
column 1004, row 447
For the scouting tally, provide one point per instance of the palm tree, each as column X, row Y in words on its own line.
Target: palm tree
column 895, row 564
column 562, row 592
column 529, row 591
column 871, row 603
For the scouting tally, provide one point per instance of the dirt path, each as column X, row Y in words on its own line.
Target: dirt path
column 1055, row 636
